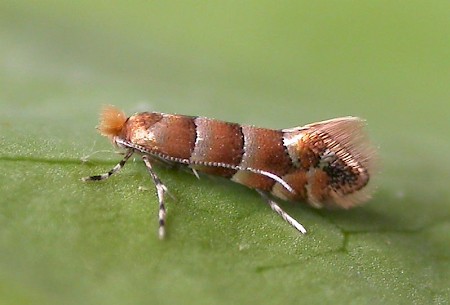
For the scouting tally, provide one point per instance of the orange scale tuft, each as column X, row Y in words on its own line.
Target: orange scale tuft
column 112, row 121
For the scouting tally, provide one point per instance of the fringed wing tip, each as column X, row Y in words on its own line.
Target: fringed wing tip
column 352, row 137
column 354, row 199
column 112, row 121
column 350, row 133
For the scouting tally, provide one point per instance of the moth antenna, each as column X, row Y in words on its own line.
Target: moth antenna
column 112, row 121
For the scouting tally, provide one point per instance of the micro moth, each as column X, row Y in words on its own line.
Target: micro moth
column 325, row 164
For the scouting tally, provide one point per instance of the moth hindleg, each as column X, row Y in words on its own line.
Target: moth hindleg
column 275, row 207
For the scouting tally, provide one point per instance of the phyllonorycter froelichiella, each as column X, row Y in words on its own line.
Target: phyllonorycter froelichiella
column 325, row 164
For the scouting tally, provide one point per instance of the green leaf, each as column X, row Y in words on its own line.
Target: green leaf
column 67, row 242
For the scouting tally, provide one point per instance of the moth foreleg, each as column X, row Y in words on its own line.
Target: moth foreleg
column 114, row 170
column 275, row 207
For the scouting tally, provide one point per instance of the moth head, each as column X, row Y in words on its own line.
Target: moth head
column 112, row 122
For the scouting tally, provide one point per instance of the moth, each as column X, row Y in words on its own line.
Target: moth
column 324, row 164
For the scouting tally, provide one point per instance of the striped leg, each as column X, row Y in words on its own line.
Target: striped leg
column 274, row 206
column 161, row 190
column 114, row 170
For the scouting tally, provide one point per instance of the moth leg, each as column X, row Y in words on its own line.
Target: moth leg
column 195, row 173
column 275, row 207
column 161, row 190
column 114, row 170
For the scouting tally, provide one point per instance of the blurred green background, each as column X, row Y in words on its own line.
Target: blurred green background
column 273, row 64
